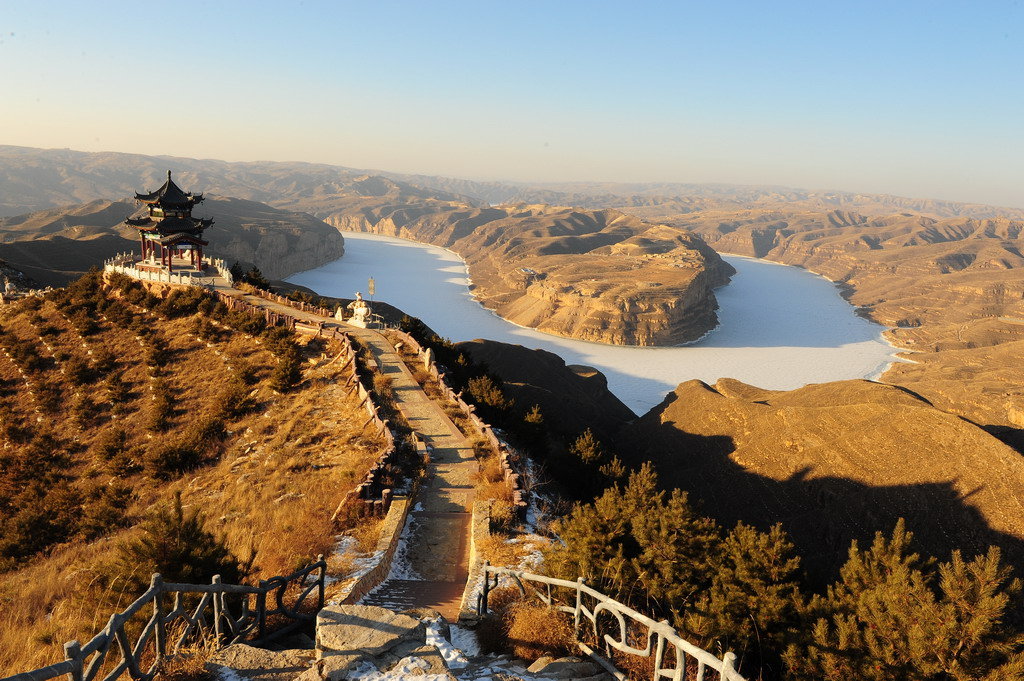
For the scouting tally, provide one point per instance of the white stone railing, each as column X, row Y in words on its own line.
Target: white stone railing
column 223, row 270
column 122, row 262
column 158, row 276
column 119, row 259
column 662, row 641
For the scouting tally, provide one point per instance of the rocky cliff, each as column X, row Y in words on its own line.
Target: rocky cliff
column 601, row 276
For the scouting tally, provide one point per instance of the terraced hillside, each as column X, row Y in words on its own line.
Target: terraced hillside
column 113, row 401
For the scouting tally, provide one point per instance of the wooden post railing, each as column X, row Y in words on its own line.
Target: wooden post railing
column 232, row 622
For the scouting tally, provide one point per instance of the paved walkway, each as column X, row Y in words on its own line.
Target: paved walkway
column 433, row 568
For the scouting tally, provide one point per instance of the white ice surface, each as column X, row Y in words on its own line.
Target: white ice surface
column 780, row 327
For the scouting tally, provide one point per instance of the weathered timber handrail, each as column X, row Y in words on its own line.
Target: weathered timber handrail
column 660, row 635
column 228, row 622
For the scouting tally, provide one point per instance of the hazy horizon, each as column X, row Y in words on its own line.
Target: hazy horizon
column 919, row 100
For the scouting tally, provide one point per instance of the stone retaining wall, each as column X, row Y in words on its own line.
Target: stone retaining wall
column 391, row 532
column 480, row 530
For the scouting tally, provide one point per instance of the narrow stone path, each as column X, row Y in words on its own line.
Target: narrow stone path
column 431, row 568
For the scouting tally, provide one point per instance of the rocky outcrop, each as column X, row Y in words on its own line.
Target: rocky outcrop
column 258, row 664
column 835, row 462
column 600, row 276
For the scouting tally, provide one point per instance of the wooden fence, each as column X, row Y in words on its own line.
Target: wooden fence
column 618, row 627
column 298, row 305
column 230, row 613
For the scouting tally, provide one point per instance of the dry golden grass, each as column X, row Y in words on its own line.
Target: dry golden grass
column 495, row 549
column 278, row 475
column 535, row 631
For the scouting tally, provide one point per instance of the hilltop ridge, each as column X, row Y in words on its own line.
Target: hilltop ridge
column 57, row 245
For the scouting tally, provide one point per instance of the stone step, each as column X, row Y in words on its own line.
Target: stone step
column 356, row 642
column 405, row 594
column 241, row 661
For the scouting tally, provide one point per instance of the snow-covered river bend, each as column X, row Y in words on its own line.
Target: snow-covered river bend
column 781, row 327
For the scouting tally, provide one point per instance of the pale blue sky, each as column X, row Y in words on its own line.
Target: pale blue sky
column 913, row 98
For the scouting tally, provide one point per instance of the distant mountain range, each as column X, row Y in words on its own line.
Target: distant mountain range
column 32, row 179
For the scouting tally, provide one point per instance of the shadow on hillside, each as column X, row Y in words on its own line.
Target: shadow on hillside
column 1008, row 435
column 822, row 515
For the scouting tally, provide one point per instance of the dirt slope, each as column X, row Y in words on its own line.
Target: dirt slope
column 572, row 398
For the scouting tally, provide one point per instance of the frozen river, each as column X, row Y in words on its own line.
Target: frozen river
column 781, row 327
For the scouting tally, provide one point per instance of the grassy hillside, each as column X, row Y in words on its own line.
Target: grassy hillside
column 113, row 401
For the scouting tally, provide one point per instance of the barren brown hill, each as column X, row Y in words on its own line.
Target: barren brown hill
column 658, row 199
column 58, row 245
column 836, row 462
column 554, row 269
column 954, row 289
column 34, row 179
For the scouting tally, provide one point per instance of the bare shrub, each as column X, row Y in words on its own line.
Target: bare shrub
column 382, row 386
column 491, row 631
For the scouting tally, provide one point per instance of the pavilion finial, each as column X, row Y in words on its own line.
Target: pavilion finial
column 168, row 175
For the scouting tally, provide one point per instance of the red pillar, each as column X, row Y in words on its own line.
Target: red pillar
column 200, row 258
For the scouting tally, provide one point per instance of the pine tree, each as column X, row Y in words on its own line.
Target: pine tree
column 895, row 615
column 178, row 546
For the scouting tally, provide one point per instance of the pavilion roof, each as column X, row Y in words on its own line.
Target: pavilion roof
column 170, row 194
column 180, row 237
column 169, row 226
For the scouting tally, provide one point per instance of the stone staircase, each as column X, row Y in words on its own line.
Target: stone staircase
column 369, row 643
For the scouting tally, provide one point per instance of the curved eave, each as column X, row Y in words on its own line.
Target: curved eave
column 172, row 239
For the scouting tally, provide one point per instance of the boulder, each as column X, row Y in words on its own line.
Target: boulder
column 424, row 660
column 564, row 668
column 339, row 667
column 363, row 630
column 258, row 664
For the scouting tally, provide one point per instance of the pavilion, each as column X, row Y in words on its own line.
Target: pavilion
column 170, row 231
